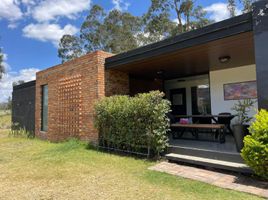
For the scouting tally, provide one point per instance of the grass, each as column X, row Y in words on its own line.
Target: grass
column 5, row 119
column 34, row 169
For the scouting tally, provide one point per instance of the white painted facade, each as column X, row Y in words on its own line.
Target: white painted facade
column 233, row 75
column 216, row 79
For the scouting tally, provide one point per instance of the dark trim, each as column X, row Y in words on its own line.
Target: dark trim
column 223, row 29
column 24, row 85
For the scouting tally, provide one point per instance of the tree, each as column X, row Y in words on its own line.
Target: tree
column 231, row 7
column 246, row 4
column 69, row 48
column 91, row 32
column 114, row 32
column 19, row 82
column 120, row 31
column 9, row 103
column 117, row 31
column 2, row 68
column 158, row 18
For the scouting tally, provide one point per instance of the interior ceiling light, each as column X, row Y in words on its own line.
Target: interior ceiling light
column 224, row 59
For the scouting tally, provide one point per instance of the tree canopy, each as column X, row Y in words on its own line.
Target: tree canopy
column 158, row 23
column 246, row 6
column 116, row 31
column 2, row 68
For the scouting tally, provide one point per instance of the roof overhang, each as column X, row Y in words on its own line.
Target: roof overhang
column 194, row 52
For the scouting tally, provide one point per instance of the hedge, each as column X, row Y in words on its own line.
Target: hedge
column 136, row 124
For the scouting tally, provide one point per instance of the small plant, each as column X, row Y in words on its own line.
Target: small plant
column 255, row 151
column 242, row 109
column 17, row 131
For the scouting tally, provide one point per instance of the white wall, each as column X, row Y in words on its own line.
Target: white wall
column 187, row 83
column 220, row 77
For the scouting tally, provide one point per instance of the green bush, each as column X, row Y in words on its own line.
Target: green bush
column 136, row 124
column 255, row 151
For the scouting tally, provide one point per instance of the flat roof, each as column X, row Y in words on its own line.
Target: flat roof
column 24, row 85
column 215, row 31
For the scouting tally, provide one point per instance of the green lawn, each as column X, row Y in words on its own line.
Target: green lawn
column 34, row 169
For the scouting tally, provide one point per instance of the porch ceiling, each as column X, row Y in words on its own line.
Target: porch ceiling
column 197, row 59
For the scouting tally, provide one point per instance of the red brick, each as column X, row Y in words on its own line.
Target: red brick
column 73, row 89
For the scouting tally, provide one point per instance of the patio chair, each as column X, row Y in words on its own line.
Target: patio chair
column 226, row 121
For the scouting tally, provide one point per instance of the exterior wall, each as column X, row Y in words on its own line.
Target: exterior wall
column 23, row 105
column 187, row 84
column 260, row 30
column 116, row 82
column 139, row 85
column 220, row 77
column 73, row 88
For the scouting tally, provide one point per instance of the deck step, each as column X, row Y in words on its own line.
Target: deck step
column 207, row 162
column 204, row 153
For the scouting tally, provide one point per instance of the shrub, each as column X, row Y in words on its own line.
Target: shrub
column 255, row 151
column 135, row 123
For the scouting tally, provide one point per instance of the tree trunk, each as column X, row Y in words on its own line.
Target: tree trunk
column 178, row 12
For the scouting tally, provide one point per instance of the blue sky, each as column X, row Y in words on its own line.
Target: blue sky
column 31, row 29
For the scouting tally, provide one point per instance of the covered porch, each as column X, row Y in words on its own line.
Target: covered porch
column 201, row 73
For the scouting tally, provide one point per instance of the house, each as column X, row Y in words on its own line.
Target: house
column 200, row 69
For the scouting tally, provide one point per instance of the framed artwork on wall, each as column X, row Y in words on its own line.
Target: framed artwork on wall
column 241, row 90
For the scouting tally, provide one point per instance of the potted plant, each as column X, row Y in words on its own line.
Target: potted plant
column 240, row 128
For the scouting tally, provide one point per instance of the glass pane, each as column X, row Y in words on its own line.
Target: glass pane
column 44, row 115
column 201, row 99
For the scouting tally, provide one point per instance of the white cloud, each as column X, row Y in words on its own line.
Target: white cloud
column 10, row 10
column 6, row 83
column 219, row 11
column 51, row 9
column 121, row 5
column 5, row 64
column 48, row 32
column 10, row 77
column 28, row 2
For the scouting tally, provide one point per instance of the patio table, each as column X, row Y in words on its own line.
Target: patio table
column 209, row 116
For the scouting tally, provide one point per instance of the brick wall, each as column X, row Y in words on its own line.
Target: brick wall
column 116, row 82
column 142, row 85
column 73, row 88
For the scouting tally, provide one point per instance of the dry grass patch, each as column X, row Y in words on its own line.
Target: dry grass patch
column 5, row 120
column 34, row 169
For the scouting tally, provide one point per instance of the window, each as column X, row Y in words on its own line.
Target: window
column 44, row 108
column 201, row 99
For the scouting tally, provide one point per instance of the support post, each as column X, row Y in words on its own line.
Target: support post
column 260, row 31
